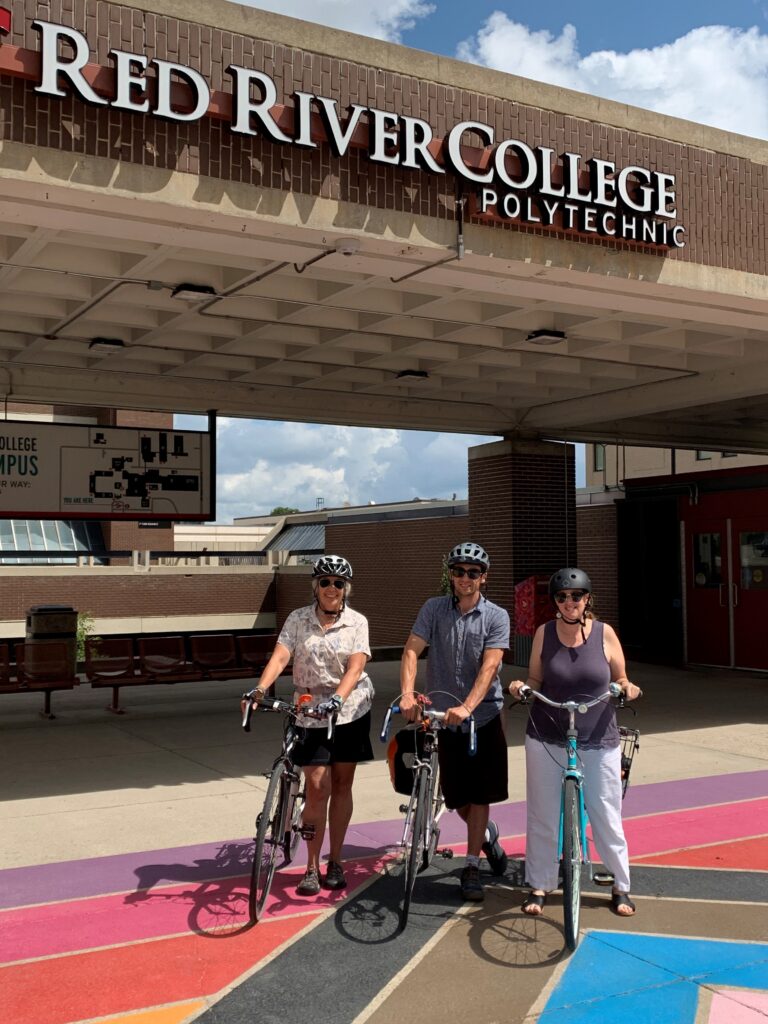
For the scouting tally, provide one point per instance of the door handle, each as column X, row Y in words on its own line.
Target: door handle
column 720, row 590
column 735, row 594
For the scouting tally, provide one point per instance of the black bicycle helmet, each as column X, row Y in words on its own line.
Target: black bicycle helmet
column 470, row 554
column 569, row 579
column 332, row 565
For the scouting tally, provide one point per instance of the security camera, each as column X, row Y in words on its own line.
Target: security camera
column 347, row 246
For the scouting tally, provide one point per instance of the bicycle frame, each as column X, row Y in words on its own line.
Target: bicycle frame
column 572, row 771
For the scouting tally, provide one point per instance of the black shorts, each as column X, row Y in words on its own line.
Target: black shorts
column 473, row 779
column 351, row 744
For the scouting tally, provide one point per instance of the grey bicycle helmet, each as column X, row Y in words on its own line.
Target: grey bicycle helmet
column 470, row 554
column 569, row 579
column 332, row 565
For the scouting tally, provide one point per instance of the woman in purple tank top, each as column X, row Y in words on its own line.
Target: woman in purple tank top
column 574, row 656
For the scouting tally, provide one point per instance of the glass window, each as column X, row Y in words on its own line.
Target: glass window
column 66, row 536
column 21, row 534
column 729, row 455
column 703, row 456
column 707, row 566
column 598, row 458
column 36, row 539
column 753, row 550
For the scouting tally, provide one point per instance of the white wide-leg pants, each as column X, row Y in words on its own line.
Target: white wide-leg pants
column 544, row 763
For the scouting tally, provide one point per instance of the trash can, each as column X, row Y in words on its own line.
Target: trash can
column 53, row 622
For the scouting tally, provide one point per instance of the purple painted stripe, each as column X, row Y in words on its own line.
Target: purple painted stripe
column 97, row 876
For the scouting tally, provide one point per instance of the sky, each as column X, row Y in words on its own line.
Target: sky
column 706, row 62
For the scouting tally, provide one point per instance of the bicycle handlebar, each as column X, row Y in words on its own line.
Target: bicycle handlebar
column 614, row 690
column 248, row 702
column 437, row 716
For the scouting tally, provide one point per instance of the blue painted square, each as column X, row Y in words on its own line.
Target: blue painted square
column 641, row 978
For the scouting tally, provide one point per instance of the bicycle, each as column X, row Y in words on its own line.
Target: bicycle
column 421, row 828
column 573, row 844
column 278, row 824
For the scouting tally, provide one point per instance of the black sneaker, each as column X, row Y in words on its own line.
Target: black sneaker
column 471, row 886
column 494, row 851
column 334, row 876
column 310, row 884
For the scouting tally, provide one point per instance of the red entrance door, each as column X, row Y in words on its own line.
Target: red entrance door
column 750, row 591
column 708, row 594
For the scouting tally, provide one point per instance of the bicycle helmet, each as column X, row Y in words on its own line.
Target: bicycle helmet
column 569, row 579
column 470, row 554
column 332, row 565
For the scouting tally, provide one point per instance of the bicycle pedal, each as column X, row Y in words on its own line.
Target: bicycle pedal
column 307, row 831
column 403, row 808
column 603, row 878
column 448, row 854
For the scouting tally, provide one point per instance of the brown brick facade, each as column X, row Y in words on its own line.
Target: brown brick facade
column 598, row 556
column 141, row 594
column 522, row 509
column 719, row 195
column 397, row 567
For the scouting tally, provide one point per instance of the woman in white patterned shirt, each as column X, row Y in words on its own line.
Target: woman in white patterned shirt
column 328, row 642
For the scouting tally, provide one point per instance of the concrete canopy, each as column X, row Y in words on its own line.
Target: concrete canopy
column 326, row 310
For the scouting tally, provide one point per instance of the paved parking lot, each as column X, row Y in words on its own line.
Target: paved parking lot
column 126, row 848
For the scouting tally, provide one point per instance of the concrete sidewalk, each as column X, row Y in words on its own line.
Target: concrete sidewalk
column 108, row 820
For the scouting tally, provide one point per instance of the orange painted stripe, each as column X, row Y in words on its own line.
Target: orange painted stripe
column 744, row 854
column 164, row 1015
column 114, row 981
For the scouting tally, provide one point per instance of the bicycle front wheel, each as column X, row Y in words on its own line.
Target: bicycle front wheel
column 414, row 841
column 572, row 859
column 436, row 803
column 269, row 839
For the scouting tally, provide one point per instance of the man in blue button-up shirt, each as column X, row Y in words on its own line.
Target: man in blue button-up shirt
column 467, row 636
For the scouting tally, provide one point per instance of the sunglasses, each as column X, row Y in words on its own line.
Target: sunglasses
column 474, row 574
column 325, row 582
column 577, row 595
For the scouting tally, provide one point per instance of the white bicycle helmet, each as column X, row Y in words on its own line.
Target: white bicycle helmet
column 332, row 565
column 470, row 554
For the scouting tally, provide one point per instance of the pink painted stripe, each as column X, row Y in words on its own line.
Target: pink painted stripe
column 697, row 826
column 118, row 919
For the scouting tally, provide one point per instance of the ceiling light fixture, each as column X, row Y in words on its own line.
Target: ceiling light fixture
column 347, row 246
column 193, row 292
column 412, row 375
column 106, row 345
column 546, row 337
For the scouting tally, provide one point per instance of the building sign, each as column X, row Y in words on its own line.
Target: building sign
column 63, row 471
column 508, row 179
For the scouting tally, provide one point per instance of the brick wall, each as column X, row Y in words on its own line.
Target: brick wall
column 598, row 554
column 522, row 510
column 720, row 197
column 149, row 594
column 397, row 567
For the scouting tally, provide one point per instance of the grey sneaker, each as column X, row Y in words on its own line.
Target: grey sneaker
column 309, row 885
column 494, row 851
column 471, row 886
column 334, row 876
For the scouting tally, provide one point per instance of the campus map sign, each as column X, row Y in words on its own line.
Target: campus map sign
column 62, row 471
column 509, row 179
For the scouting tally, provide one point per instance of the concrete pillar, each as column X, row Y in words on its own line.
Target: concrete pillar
column 522, row 509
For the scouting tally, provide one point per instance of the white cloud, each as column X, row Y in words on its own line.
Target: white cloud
column 365, row 17
column 262, row 464
column 713, row 75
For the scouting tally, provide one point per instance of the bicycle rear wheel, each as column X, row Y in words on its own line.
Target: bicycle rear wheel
column 414, row 842
column 293, row 820
column 572, row 858
column 436, row 802
column 269, row 839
